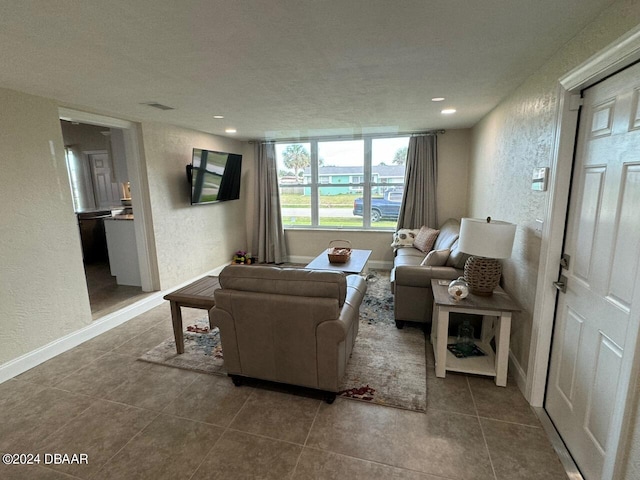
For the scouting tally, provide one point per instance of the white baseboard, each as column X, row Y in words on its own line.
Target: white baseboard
column 300, row 259
column 34, row 358
column 519, row 374
column 380, row 264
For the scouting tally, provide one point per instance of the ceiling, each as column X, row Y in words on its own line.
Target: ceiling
column 286, row 68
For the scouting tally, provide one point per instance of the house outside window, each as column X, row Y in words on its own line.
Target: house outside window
column 356, row 184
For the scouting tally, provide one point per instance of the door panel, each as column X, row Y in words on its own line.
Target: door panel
column 106, row 192
column 624, row 272
column 569, row 355
column 608, row 358
column 593, row 179
column 599, row 309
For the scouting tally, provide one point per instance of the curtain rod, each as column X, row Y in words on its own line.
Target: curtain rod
column 351, row 137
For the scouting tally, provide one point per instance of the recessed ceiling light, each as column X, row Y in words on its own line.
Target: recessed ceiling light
column 448, row 111
column 437, row 99
column 218, row 116
column 230, row 130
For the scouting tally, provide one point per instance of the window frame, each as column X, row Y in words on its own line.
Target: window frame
column 365, row 187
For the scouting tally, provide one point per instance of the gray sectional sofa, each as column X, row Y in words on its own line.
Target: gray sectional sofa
column 411, row 282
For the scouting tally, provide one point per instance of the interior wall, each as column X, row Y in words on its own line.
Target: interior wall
column 518, row 136
column 453, row 158
column 454, row 152
column 190, row 240
column 42, row 287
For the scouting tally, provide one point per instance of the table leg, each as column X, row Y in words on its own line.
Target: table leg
column 176, row 319
column 434, row 325
column 502, row 348
column 441, row 342
column 488, row 329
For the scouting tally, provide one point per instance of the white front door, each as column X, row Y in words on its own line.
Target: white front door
column 597, row 318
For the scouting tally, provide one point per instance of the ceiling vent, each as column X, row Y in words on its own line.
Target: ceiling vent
column 157, row 105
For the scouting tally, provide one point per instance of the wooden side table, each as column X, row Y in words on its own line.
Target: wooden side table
column 198, row 294
column 500, row 305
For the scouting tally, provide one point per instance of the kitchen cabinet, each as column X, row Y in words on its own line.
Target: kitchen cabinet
column 123, row 252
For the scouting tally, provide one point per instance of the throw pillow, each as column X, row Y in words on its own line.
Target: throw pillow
column 436, row 258
column 425, row 239
column 404, row 238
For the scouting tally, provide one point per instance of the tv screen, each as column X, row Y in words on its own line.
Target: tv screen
column 214, row 176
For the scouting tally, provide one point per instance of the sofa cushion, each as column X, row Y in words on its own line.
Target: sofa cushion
column 436, row 258
column 456, row 258
column 449, row 232
column 410, row 252
column 285, row 281
column 404, row 237
column 408, row 256
column 425, row 239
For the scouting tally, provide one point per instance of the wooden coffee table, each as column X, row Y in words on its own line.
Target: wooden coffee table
column 356, row 263
column 198, row 294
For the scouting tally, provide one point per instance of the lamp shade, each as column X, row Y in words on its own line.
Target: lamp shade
column 486, row 238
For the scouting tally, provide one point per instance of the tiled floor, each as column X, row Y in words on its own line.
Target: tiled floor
column 135, row 420
column 105, row 295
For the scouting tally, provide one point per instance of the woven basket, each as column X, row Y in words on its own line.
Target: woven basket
column 339, row 251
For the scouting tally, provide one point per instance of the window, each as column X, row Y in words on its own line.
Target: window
column 327, row 183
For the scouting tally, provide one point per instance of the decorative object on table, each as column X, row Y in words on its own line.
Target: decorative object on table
column 243, row 258
column 486, row 241
column 339, row 251
column 465, row 342
column 458, row 289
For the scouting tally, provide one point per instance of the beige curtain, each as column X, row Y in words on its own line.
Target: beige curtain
column 268, row 236
column 419, row 202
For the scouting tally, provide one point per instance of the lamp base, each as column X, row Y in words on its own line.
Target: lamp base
column 482, row 274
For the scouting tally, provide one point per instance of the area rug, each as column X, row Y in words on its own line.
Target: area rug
column 387, row 365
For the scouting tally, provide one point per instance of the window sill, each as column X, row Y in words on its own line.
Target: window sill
column 338, row 229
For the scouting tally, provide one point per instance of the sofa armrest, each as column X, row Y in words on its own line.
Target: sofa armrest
column 221, row 319
column 421, row 276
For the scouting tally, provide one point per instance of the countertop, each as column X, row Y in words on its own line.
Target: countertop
column 98, row 210
column 122, row 216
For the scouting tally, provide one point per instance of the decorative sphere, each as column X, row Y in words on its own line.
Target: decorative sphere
column 458, row 289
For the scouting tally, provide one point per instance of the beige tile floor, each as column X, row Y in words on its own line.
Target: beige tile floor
column 135, row 420
column 105, row 295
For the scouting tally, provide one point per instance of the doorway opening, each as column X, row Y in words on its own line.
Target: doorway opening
column 105, row 189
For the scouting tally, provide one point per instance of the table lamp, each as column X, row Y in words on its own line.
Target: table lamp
column 486, row 241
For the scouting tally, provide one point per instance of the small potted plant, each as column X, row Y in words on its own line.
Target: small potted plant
column 243, row 258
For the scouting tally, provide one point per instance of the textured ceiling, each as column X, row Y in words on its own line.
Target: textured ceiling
column 284, row 69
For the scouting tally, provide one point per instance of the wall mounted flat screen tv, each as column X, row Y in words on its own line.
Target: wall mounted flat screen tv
column 214, row 176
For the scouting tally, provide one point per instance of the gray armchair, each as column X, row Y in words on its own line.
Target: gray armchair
column 287, row 325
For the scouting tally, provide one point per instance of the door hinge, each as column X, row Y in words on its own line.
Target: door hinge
column 575, row 102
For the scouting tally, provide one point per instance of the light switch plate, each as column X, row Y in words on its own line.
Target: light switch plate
column 539, row 180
